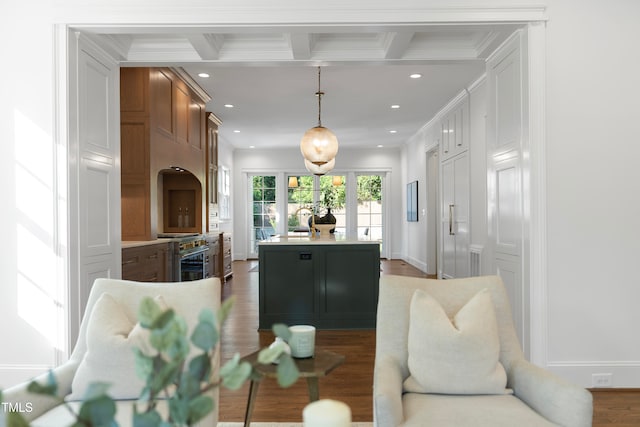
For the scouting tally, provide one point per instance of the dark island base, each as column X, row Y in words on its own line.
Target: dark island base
column 327, row 286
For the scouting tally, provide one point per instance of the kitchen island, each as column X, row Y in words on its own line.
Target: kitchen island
column 328, row 282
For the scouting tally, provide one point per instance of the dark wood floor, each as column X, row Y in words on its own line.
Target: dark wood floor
column 352, row 382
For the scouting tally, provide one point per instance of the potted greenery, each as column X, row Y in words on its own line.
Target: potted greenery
column 170, row 374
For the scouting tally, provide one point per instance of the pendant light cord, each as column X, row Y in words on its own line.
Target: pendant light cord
column 319, row 94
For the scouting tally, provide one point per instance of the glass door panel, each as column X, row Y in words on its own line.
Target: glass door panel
column 299, row 203
column 333, row 198
column 370, row 208
column 264, row 221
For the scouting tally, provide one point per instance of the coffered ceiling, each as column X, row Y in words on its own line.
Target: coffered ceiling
column 269, row 75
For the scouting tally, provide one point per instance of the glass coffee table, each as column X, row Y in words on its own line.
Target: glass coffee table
column 312, row 368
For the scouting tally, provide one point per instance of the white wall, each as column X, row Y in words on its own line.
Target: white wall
column 415, row 169
column 33, row 251
column 593, row 189
column 225, row 158
column 290, row 161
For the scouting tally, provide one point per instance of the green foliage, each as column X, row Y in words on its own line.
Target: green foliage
column 303, row 193
column 169, row 374
column 331, row 196
column 369, row 188
column 264, row 188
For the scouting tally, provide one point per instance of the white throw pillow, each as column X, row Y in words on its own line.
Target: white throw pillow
column 111, row 340
column 459, row 356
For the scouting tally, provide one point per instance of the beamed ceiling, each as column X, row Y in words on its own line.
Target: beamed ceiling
column 269, row 75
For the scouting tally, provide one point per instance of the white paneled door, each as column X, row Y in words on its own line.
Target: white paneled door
column 505, row 133
column 455, row 217
column 94, row 152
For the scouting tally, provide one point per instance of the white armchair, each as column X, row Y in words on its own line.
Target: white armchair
column 186, row 298
column 539, row 398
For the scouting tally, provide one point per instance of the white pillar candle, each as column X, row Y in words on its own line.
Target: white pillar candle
column 302, row 340
column 327, row 413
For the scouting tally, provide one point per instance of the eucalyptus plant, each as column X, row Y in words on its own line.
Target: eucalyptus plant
column 170, row 374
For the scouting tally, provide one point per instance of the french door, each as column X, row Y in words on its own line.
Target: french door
column 264, row 215
column 281, row 204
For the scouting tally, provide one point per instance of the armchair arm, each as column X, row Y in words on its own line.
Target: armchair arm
column 557, row 400
column 387, row 393
column 38, row 404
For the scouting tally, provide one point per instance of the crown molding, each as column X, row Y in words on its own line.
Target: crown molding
column 193, row 85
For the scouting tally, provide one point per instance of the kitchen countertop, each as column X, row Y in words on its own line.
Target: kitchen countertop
column 320, row 240
column 137, row 243
column 175, row 237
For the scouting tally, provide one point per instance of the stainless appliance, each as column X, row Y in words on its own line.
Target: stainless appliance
column 191, row 256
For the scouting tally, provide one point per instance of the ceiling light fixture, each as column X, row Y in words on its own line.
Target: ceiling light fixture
column 228, row 105
column 203, row 75
column 395, row 106
column 319, row 169
column 415, row 75
column 319, row 145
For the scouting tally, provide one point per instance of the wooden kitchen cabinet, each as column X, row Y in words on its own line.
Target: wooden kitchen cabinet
column 213, row 124
column 162, row 126
column 226, row 262
column 148, row 263
column 213, row 256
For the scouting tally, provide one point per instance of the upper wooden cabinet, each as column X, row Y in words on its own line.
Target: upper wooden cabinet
column 163, row 125
column 213, row 123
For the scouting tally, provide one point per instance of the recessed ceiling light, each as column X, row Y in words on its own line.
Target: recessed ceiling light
column 228, row 105
column 236, row 131
column 380, row 145
column 203, row 75
column 393, row 131
column 252, row 146
column 395, row 106
column 415, row 75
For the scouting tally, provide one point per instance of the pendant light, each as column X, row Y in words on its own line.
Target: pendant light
column 319, row 145
column 319, row 169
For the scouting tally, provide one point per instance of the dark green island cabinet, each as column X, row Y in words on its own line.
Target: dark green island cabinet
column 324, row 282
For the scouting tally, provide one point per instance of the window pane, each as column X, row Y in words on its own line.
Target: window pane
column 264, row 209
column 370, row 219
column 299, row 203
column 333, row 197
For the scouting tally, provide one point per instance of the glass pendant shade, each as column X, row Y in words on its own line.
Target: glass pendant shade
column 293, row 181
column 320, row 169
column 319, row 145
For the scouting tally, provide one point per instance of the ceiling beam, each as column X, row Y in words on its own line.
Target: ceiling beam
column 300, row 45
column 208, row 46
column 396, row 44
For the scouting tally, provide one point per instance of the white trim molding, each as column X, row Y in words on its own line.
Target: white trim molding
column 535, row 164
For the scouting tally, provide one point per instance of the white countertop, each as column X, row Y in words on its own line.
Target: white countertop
column 319, row 240
column 136, row 243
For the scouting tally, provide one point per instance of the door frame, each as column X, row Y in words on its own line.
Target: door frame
column 535, row 270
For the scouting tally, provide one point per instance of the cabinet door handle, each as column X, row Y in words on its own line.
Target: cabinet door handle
column 133, row 260
column 451, row 212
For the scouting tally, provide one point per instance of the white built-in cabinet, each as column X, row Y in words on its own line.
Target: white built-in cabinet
column 506, row 137
column 454, row 128
column 454, row 189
